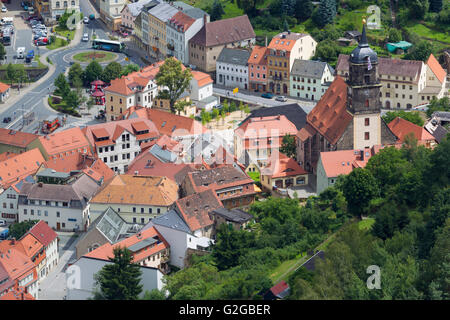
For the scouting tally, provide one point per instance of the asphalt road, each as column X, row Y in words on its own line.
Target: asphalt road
column 33, row 101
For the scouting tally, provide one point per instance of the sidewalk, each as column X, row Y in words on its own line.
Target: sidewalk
column 51, row 69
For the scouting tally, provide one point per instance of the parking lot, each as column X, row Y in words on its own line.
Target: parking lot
column 22, row 34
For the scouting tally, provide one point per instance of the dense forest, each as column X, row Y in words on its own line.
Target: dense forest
column 406, row 190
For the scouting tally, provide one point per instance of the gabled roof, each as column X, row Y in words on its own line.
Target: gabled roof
column 174, row 125
column 330, row 116
column 31, row 245
column 258, row 55
column 138, row 190
column 4, row 87
column 262, row 127
column 285, row 41
column 60, row 142
column 436, row 68
column 308, row 68
column 202, row 78
column 20, row 166
column 280, row 290
column 224, row 31
column 293, row 112
column 16, row 138
column 143, row 244
column 43, row 233
column 401, row 128
column 343, row 162
column 280, row 165
column 163, row 11
column 111, row 225
column 234, row 56
column 388, row 66
column 171, row 220
column 234, row 215
column 14, row 261
column 194, row 209
column 17, row 293
column 181, row 21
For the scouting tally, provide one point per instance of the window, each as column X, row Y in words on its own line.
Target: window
column 25, row 211
column 366, row 136
column 58, row 214
column 367, row 103
column 32, row 212
column 134, row 209
column 366, row 121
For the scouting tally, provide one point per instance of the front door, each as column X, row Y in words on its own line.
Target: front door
column 58, row 226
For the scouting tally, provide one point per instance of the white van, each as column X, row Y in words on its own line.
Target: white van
column 7, row 21
column 21, row 53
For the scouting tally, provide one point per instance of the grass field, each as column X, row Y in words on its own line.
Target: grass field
column 65, row 32
column 426, row 32
column 58, row 43
column 99, row 56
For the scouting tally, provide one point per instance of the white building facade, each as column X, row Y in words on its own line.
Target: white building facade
column 310, row 79
column 232, row 68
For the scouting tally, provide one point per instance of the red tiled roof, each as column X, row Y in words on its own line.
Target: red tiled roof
column 16, row 138
column 4, row 87
column 174, row 125
column 42, row 232
column 286, row 43
column 181, row 20
column 438, row 71
column 30, row 244
column 257, row 55
column 202, row 78
column 279, row 288
column 330, row 116
column 20, row 166
column 224, row 31
column 306, row 132
column 401, row 127
column 7, row 155
column 17, row 294
column 14, row 261
column 63, row 141
column 281, row 165
column 106, row 251
column 195, row 208
column 265, row 127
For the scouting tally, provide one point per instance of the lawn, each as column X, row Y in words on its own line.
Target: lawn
column 58, row 43
column 65, row 32
column 366, row 224
column 285, row 268
column 254, row 176
column 99, row 56
column 425, row 32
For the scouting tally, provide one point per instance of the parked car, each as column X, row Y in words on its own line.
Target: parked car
column 267, row 95
column 85, row 37
column 6, row 119
column 92, row 16
column 281, row 98
column 85, row 20
column 2, row 223
column 41, row 42
column 4, row 9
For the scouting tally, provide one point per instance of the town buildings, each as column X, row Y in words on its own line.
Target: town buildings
column 62, row 207
column 232, row 68
column 402, row 128
column 136, row 89
column 15, row 141
column 129, row 13
column 310, row 79
column 201, row 91
column 349, row 114
column 137, row 199
column 181, row 28
column 404, row 83
column 117, row 143
column 4, row 91
column 206, row 46
column 260, row 136
column 232, row 186
column 283, row 50
column 58, row 7
column 110, row 13
column 257, row 69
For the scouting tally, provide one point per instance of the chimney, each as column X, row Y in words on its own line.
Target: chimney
column 205, row 19
column 136, row 173
column 164, row 147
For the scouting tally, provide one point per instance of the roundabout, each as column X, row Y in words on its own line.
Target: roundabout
column 99, row 56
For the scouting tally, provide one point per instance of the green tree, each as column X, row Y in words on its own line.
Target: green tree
column 442, row 104
column 176, row 80
column 72, row 99
column 21, row 74
column 359, row 188
column 288, row 146
column 75, row 71
column 435, row 5
column 418, row 8
column 11, row 73
column 325, row 14
column 129, row 68
column 119, row 280
column 111, row 71
column 92, row 72
column 181, row 105
column 216, row 11
column 413, row 116
column 420, row 52
column 395, row 35
column 155, row 294
column 18, row 229
column 249, row 6
column 303, row 9
column 328, row 51
column 2, row 51
column 62, row 85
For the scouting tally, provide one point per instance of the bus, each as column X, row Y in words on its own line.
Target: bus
column 108, row 45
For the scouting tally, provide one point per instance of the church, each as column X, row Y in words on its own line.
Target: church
column 348, row 116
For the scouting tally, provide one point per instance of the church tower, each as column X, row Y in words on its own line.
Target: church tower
column 363, row 95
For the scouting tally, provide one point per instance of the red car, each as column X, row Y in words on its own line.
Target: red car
column 41, row 42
